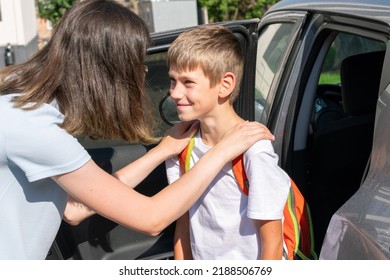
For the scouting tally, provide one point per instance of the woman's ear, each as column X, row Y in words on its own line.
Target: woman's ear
column 227, row 84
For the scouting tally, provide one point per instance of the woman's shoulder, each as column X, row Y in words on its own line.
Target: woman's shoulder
column 8, row 113
column 16, row 121
column 6, row 99
column 7, row 105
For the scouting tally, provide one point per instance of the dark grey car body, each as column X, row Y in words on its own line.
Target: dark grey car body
column 317, row 73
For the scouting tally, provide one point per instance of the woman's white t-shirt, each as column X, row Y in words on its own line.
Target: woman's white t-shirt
column 32, row 149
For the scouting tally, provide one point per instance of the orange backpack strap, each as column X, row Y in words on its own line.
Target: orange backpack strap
column 240, row 174
column 297, row 224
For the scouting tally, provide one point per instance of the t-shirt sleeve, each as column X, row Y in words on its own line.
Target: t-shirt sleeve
column 268, row 183
column 41, row 148
column 173, row 169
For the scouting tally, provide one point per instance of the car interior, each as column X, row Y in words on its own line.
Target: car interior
column 341, row 145
column 341, row 126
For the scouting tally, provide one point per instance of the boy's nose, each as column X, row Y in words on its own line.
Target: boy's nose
column 175, row 93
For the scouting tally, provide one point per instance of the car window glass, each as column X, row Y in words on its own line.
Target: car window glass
column 157, row 86
column 272, row 45
column 329, row 89
column 330, row 73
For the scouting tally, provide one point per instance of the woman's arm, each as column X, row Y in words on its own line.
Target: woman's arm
column 76, row 212
column 113, row 199
column 182, row 244
column 271, row 236
column 175, row 140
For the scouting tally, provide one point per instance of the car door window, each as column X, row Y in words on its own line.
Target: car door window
column 328, row 104
column 272, row 45
column 157, row 86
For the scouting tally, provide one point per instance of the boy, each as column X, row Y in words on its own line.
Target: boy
column 205, row 68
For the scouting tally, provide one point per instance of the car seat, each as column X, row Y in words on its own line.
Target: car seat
column 327, row 106
column 341, row 149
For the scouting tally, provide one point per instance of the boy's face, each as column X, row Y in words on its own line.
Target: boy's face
column 191, row 91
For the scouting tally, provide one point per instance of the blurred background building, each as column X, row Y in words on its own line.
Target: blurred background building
column 18, row 30
column 22, row 32
column 162, row 15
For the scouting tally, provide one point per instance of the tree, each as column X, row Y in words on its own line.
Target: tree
column 53, row 10
column 222, row 10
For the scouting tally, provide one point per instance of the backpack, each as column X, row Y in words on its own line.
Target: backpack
column 297, row 224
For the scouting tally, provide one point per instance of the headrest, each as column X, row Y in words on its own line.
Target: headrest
column 360, row 76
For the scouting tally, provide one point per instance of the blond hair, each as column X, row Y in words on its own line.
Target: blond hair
column 214, row 49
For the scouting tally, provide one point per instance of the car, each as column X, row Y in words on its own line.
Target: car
column 317, row 73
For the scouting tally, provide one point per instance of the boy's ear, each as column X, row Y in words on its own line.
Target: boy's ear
column 227, row 84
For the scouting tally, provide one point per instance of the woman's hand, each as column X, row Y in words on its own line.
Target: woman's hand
column 178, row 137
column 76, row 212
column 241, row 137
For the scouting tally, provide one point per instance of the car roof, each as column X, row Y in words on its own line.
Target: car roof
column 372, row 9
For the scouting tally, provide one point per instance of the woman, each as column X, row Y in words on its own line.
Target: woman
column 89, row 81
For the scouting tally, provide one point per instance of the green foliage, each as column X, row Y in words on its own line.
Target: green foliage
column 329, row 78
column 53, row 10
column 221, row 10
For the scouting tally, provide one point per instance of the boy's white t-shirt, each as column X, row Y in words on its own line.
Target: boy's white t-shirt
column 223, row 221
column 32, row 149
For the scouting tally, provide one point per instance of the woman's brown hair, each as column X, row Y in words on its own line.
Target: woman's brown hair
column 93, row 68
